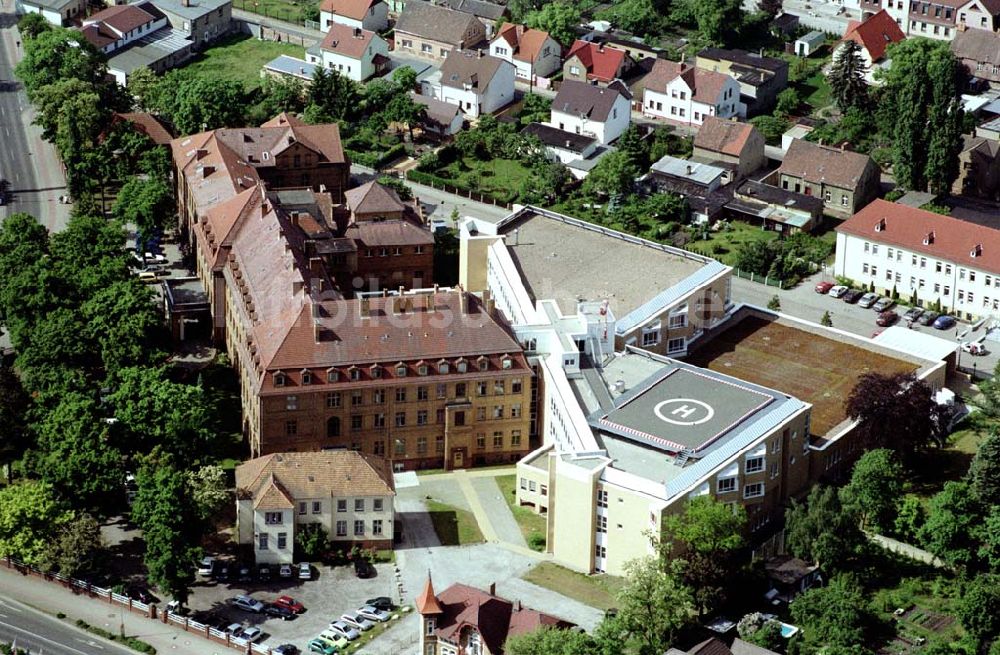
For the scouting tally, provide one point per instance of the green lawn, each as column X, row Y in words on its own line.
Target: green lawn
column 947, row 464
column 815, row 91
column 454, row 526
column 240, row 58
column 288, row 10
column 723, row 244
column 595, row 590
column 497, row 177
column 532, row 525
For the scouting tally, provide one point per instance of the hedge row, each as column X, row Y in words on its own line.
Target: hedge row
column 372, row 160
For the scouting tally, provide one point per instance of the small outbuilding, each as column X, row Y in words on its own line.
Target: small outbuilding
column 809, row 44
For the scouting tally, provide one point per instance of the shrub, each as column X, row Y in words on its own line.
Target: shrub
column 537, row 542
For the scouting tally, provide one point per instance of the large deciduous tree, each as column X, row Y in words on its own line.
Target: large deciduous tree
column 979, row 608
column 654, row 604
column 558, row 18
column 875, row 489
column 124, row 322
column 954, row 517
column 550, row 641
column 719, row 21
column 14, row 404
column 984, row 472
column 332, row 97
column 201, row 104
column 30, row 513
column 146, row 203
column 893, row 411
column 837, row 616
column 613, row 175
column 822, row 531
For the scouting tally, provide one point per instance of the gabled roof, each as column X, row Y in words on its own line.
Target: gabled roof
column 875, row 33
column 373, row 198
column 561, row 139
column 272, row 495
column 977, row 45
column 478, row 8
column 710, row 647
column 436, row 23
column 125, row 18
column 741, row 647
column 705, row 85
column 744, row 58
column 289, row 477
column 582, row 99
column 148, row 125
column 392, row 232
column 470, row 68
column 602, row 62
column 727, row 137
column 437, row 111
column 992, row 6
column 356, row 9
column 952, row 239
column 525, row 42
column 823, row 164
column 351, row 42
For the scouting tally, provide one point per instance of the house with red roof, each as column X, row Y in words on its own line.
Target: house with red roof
column 533, row 52
column 354, row 52
column 684, row 94
column 735, row 145
column 874, row 34
column 463, row 619
column 939, row 258
column 370, row 15
column 595, row 63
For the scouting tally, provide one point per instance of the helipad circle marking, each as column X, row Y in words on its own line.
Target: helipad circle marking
column 684, row 410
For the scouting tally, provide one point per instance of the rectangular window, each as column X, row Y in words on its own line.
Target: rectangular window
column 602, row 498
column 377, row 527
column 651, row 338
column 399, row 447
column 333, row 399
column 356, row 422
column 726, row 485
column 359, row 504
column 497, row 412
column 282, row 540
column 317, row 506
column 357, row 398
column 480, row 440
column 497, row 440
column 422, row 417
column 439, row 444
column 341, row 528
column 377, row 504
column 480, row 388
column 460, row 390
column 302, row 508
column 400, row 419
column 515, row 438
column 262, row 541
column 439, row 416
column 378, row 421
column 754, row 490
column 359, row 528
column 401, row 395
column 675, row 345
column 480, row 413
column 291, row 403
column 515, row 410
column 524, row 483
column 499, row 387
column 755, row 465
column 291, row 428
column 378, row 396
column 442, row 391
column 421, row 445
column 602, row 524
column 341, row 505
column 422, row 393
column 272, row 518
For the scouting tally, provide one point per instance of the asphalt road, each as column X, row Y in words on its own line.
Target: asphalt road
column 38, row 633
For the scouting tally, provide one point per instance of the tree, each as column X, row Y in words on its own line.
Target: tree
column 613, row 175
column 126, row 325
column 771, row 127
column 847, row 77
column 146, row 203
column 639, row 17
column 30, row 513
column 909, row 519
column 770, row 8
column 822, row 531
column 14, row 404
column 874, row 490
column 141, row 86
column 535, row 109
column 58, row 342
column 80, row 121
column 838, row 615
column 402, row 109
column 31, row 25
column 332, row 97
column 788, row 102
column 953, row 518
column 58, row 54
column 559, row 18
column 979, row 608
column 165, row 512
column 202, row 104
column 50, row 99
column 768, row 636
column 653, row 605
column 984, row 471
column 312, row 541
column 76, row 546
column 208, row 491
column 774, row 304
column 826, row 320
column 89, row 254
column 989, row 537
column 405, row 79
column 718, row 20
column 893, row 411
column 550, row 641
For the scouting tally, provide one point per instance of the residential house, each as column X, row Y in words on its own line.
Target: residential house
column 874, row 35
column 980, row 15
column 463, row 619
column 595, row 63
column 790, row 576
column 490, row 13
column 898, row 10
column 57, row 12
column 730, row 142
column 705, row 186
column 934, row 19
column 300, row 69
column 147, row 124
column 978, row 168
column 939, row 258
column 687, row 95
column 439, row 117
column 136, row 36
column 601, row 112
column 979, row 51
column 761, row 78
column 561, row 145
column 533, row 52
column 203, row 21
column 633, row 46
column 346, row 492
column 478, row 84
column 989, row 130
column 371, row 15
column 354, row 52
column 433, row 32
column 845, row 180
column 775, row 208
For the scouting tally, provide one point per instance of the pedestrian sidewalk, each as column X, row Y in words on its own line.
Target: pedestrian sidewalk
column 54, row 598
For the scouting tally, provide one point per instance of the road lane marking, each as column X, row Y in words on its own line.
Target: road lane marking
column 90, row 642
column 45, row 639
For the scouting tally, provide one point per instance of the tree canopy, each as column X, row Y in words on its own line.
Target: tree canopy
column 875, row 489
column 820, row 530
column 654, row 604
column 559, row 18
column 893, row 411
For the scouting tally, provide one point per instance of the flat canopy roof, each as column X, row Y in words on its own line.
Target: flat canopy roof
column 915, row 343
column 683, row 409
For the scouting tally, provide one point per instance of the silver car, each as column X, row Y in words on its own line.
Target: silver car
column 882, row 304
column 344, row 630
column 868, row 300
column 374, row 614
column 355, row 620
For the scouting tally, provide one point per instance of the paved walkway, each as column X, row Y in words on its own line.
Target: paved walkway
column 498, row 511
column 912, row 552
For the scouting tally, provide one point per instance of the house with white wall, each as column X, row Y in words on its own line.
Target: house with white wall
column 353, row 52
column 600, row 112
column 533, row 52
column 477, row 83
column 686, row 95
column 367, row 14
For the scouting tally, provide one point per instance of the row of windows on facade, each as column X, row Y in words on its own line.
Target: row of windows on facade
column 334, row 399
column 939, row 267
column 378, row 420
column 360, row 505
column 394, row 252
column 340, row 530
column 399, row 443
column 400, row 370
column 530, row 485
column 943, row 289
column 682, row 112
column 797, row 187
column 424, row 47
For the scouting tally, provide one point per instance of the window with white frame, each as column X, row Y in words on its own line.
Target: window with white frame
column 272, row 518
column 726, row 485
column 675, row 345
column 651, row 334
column 753, row 490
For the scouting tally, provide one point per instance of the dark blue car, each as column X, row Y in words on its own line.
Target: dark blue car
column 944, row 322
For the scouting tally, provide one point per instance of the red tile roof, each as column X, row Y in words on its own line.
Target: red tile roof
column 122, row 18
column 301, row 475
column 350, row 42
column 373, row 198
column 148, row 125
column 705, row 85
column 427, row 602
column 392, row 232
column 727, row 137
column 602, row 62
column 526, row 43
column 356, row 9
column 875, row 34
column 952, row 239
column 825, row 165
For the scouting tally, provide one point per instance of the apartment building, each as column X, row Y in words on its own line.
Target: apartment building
column 348, row 493
column 980, row 15
column 934, row 19
column 937, row 259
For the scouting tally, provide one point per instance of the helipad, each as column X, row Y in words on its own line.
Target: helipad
column 683, row 409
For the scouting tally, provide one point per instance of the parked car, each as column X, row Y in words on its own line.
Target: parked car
column 912, row 314
column 222, row 572
column 248, row 604
column 974, row 348
column 290, row 604
column 944, row 322
column 305, row 571
column 824, row 287
column 279, row 612
column 206, row 565
column 852, row 296
column 928, row 317
column 321, row 646
column 140, row 594
column 252, row 634
column 344, row 630
column 374, row 614
column 234, row 629
column 383, row 603
column 355, row 620
column 335, row 639
column 155, row 258
column 150, row 277
column 364, row 569
column 837, row 291
column 885, row 319
column 868, row 300
column 883, row 304
column 263, row 572
column 285, row 649
column 243, row 573
column 285, row 571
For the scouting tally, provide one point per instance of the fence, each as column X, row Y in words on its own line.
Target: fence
column 761, row 279
column 437, row 183
column 150, row 611
column 291, row 13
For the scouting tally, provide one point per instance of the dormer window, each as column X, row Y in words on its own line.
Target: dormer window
column 929, row 238
column 422, row 369
column 400, row 370
column 484, row 363
column 977, row 251
column 355, row 374
column 880, row 226
column 443, row 368
column 462, row 366
column 506, row 363
column 331, row 375
column 376, row 372
column 307, row 377
column 279, row 379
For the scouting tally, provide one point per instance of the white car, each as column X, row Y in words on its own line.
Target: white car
column 305, row 571
column 252, row 634
column 156, row 259
column 837, row 291
column 234, row 629
column 248, row 604
column 285, row 571
column 344, row 630
column 355, row 620
column 374, row 614
column 206, row 565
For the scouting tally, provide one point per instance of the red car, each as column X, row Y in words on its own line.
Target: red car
column 289, row 603
column 824, row 287
column 885, row 319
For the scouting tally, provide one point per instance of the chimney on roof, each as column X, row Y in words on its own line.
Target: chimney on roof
column 463, row 302
column 291, row 139
column 357, row 33
column 364, row 307
column 316, row 265
column 185, row 3
column 600, row 47
column 690, row 169
column 428, row 301
column 397, row 305
column 493, row 589
column 517, row 605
